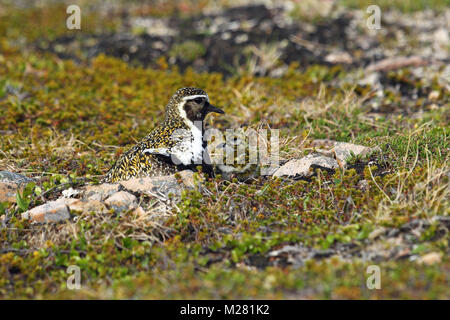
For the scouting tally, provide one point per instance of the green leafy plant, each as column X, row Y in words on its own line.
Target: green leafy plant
column 24, row 198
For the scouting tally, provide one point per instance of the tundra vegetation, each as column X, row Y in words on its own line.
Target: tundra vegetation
column 71, row 101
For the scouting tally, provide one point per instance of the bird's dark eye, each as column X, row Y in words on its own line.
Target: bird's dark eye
column 198, row 100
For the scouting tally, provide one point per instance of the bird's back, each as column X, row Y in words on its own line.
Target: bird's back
column 137, row 162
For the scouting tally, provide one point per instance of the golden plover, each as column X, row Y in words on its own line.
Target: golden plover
column 177, row 143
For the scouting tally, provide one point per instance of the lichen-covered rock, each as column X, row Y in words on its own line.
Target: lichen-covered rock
column 7, row 176
column 59, row 210
column 99, row 198
column 10, row 183
column 301, row 167
column 122, row 201
column 53, row 211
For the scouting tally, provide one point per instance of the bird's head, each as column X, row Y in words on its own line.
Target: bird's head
column 191, row 104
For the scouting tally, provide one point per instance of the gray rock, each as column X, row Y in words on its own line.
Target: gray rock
column 302, row 167
column 7, row 176
column 10, row 182
column 344, row 150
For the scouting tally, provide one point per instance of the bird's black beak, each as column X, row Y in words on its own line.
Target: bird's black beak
column 211, row 108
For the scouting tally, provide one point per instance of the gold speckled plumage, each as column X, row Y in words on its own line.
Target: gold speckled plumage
column 136, row 162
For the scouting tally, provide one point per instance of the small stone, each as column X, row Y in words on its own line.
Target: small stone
column 301, row 167
column 69, row 193
column 122, row 201
column 430, row 258
column 344, row 150
column 434, row 95
column 53, row 211
column 339, row 57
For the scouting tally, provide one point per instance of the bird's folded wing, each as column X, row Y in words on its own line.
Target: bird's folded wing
column 155, row 151
column 163, row 154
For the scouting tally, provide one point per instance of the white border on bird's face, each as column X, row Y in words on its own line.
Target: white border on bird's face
column 192, row 97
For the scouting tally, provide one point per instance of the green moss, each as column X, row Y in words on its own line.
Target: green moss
column 187, row 51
